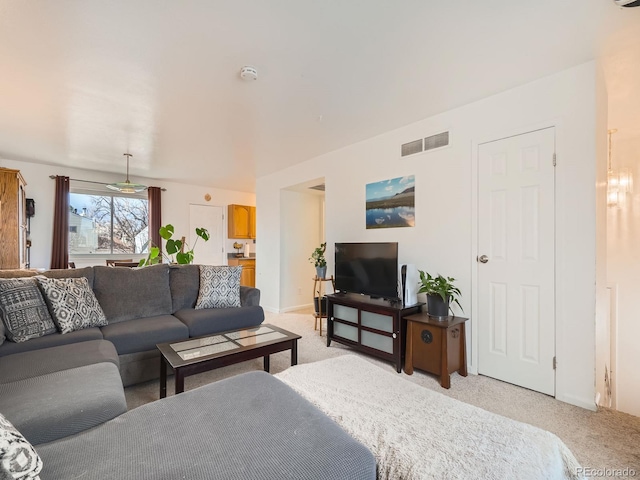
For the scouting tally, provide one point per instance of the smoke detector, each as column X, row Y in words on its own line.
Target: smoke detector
column 248, row 73
column 627, row 3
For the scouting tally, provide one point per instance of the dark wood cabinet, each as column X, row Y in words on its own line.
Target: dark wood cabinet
column 436, row 346
column 373, row 326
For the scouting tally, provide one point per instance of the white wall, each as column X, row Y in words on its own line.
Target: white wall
column 602, row 350
column 300, row 234
column 623, row 229
column 175, row 202
column 441, row 241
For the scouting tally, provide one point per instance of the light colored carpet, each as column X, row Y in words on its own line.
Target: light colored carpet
column 601, row 440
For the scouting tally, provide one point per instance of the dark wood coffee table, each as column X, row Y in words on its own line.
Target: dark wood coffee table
column 201, row 354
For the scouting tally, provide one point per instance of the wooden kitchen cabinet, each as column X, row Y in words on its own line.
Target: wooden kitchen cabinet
column 13, row 218
column 241, row 221
column 248, row 275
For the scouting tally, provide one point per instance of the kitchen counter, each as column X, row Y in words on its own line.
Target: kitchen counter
column 230, row 256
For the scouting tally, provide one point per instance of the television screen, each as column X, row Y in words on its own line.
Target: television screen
column 367, row 268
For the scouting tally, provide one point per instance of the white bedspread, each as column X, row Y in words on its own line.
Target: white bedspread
column 416, row 433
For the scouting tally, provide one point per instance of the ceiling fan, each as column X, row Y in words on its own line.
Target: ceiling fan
column 627, row 3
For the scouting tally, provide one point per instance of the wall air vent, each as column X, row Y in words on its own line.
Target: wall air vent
column 436, row 141
column 412, row 147
column 318, row 187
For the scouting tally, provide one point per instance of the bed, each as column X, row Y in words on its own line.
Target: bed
column 416, row 433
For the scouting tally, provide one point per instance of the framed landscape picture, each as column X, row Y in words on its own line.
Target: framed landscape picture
column 391, row 203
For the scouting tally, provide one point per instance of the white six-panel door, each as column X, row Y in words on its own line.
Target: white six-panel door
column 516, row 284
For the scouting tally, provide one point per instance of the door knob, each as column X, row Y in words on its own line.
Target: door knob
column 483, row 259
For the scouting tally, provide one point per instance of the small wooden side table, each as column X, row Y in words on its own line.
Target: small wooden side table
column 436, row 346
column 319, row 314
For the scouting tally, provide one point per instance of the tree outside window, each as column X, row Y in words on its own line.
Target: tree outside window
column 108, row 224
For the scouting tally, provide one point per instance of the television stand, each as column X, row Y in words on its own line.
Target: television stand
column 373, row 326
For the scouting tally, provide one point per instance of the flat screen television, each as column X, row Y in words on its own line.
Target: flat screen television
column 367, row 268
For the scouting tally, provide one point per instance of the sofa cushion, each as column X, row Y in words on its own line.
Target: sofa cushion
column 213, row 320
column 55, row 359
column 60, row 404
column 144, row 333
column 18, row 273
column 18, row 458
column 86, row 272
column 250, row 426
column 128, row 293
column 219, row 286
column 249, row 296
column 9, row 348
column 184, row 282
column 23, row 310
column 72, row 303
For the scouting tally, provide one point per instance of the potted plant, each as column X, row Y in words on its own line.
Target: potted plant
column 173, row 247
column 440, row 293
column 317, row 258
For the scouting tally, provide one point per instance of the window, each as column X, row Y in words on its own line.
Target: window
column 106, row 224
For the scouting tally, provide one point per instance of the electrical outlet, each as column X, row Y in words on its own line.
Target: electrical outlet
column 299, row 291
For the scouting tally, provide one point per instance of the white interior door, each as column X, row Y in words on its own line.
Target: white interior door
column 209, row 217
column 516, row 237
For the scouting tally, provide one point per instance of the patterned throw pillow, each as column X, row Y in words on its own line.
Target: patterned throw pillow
column 18, row 458
column 72, row 303
column 23, row 310
column 219, row 287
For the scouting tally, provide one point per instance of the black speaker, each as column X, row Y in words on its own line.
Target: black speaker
column 403, row 273
column 31, row 207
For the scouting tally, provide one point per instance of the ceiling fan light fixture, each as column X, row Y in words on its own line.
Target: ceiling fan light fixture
column 127, row 186
column 627, row 3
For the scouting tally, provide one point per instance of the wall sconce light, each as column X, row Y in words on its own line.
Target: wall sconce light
column 618, row 183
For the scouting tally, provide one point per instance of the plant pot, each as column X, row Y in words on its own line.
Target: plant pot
column 317, row 303
column 436, row 307
column 321, row 272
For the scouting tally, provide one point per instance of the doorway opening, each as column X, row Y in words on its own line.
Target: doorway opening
column 302, row 225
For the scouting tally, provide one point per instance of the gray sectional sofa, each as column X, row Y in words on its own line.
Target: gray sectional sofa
column 64, row 393
column 144, row 307
column 83, row 372
column 251, row 426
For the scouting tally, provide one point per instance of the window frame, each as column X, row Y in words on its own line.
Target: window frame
column 85, row 257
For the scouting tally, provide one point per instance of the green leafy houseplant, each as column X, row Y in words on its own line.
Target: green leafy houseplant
column 173, row 247
column 439, row 286
column 317, row 257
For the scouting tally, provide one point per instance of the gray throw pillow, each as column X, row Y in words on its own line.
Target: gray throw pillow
column 18, row 458
column 219, row 287
column 72, row 303
column 23, row 310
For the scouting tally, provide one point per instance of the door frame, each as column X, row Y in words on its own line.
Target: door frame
column 502, row 134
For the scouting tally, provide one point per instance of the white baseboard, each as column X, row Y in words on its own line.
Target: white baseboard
column 296, row 307
column 578, row 402
column 286, row 310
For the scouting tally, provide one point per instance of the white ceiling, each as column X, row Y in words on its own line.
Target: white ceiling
column 83, row 81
